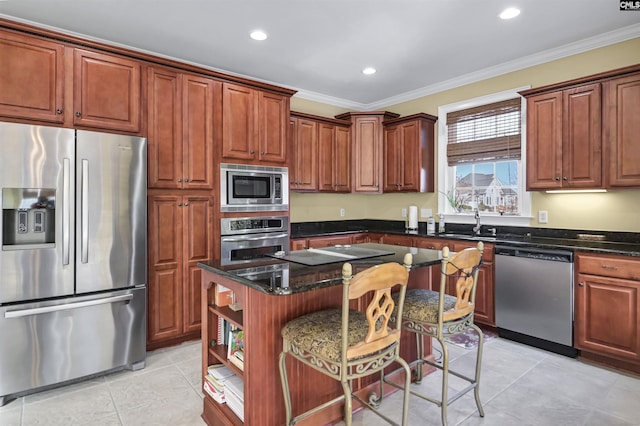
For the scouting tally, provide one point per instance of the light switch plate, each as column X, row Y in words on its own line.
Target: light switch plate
column 543, row 217
column 404, row 212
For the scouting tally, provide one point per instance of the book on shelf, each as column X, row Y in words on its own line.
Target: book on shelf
column 234, row 395
column 219, row 371
column 235, row 348
column 214, row 393
column 223, row 296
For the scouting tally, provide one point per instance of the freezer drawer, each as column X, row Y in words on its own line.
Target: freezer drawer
column 48, row 343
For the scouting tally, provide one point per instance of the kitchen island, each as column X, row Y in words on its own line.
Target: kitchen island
column 270, row 293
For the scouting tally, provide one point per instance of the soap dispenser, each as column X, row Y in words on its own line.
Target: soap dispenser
column 431, row 225
column 441, row 224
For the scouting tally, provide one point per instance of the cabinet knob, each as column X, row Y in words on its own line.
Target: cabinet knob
column 78, row 114
column 261, row 152
column 187, row 180
column 564, row 178
column 179, row 204
column 179, row 179
column 59, row 111
column 557, row 178
column 186, row 204
column 581, row 284
column 252, row 152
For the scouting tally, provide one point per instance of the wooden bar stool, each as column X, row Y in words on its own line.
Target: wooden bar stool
column 347, row 344
column 439, row 315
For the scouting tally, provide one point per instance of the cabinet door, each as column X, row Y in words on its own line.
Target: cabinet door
column 238, row 122
column 393, row 152
column 342, row 160
column 582, row 134
column 485, row 287
column 367, row 154
column 326, row 156
column 607, row 316
column 544, row 141
column 329, row 241
column 273, row 110
column 622, row 127
column 197, row 136
column 299, row 244
column 198, row 247
column 409, row 162
column 31, row 78
column 397, row 240
column 107, row 91
column 305, row 144
column 164, row 128
column 165, row 267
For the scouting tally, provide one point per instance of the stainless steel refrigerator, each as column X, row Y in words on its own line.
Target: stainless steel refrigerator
column 73, row 257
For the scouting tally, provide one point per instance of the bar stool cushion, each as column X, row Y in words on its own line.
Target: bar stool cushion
column 421, row 306
column 319, row 332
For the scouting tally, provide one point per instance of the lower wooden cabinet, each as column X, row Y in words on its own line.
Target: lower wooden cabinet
column 180, row 236
column 607, row 306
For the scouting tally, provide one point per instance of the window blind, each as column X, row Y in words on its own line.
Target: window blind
column 485, row 133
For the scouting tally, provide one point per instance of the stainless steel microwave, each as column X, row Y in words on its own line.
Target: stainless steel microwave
column 250, row 188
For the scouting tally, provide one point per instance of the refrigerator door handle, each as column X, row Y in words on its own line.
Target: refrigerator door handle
column 66, row 210
column 84, row 213
column 18, row 313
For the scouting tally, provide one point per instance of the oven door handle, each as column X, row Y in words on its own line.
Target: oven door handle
column 249, row 238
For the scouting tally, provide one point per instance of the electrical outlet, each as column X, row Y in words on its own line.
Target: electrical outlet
column 425, row 213
column 404, row 212
column 543, row 216
column 342, row 212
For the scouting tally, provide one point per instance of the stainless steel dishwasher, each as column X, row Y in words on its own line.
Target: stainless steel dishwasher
column 534, row 297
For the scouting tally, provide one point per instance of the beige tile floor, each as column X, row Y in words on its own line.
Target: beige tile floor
column 520, row 386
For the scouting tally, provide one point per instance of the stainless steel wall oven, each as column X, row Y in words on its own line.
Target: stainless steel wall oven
column 250, row 238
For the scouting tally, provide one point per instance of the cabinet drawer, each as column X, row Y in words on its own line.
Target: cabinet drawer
column 609, row 266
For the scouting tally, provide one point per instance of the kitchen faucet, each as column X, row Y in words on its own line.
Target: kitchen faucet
column 476, row 229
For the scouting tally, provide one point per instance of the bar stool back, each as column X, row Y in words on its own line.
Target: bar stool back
column 347, row 344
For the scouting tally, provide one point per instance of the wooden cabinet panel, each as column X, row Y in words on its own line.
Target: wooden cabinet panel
column 398, row 240
column 31, row 78
column 180, row 236
column 485, row 288
column 107, row 91
column 334, row 158
column 342, row 159
column 238, row 122
column 273, row 111
column 254, row 124
column 544, row 141
column 304, row 144
column 622, row 127
column 367, row 154
column 180, row 136
column 409, row 154
column 164, row 136
column 582, row 148
column 607, row 306
column 197, row 119
column 165, row 268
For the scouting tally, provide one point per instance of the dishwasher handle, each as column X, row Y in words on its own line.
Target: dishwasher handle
column 551, row 255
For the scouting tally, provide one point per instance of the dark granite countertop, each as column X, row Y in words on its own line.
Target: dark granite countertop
column 279, row 277
column 622, row 243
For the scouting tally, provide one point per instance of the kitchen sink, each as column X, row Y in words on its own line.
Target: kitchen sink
column 467, row 236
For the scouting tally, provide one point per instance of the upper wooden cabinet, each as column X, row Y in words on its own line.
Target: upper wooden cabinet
column 334, row 157
column 180, row 135
column 366, row 148
column 254, row 125
column 106, row 91
column 31, row 78
column 303, row 143
column 52, row 82
column 621, row 130
column 582, row 134
column 564, row 139
column 409, row 154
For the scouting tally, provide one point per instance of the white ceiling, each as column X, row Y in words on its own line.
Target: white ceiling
column 319, row 47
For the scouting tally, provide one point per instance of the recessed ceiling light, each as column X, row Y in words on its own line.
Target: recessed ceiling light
column 369, row 71
column 258, row 35
column 509, row 13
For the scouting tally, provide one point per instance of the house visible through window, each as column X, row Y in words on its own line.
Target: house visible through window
column 481, row 145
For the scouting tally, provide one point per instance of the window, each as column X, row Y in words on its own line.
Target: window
column 481, row 145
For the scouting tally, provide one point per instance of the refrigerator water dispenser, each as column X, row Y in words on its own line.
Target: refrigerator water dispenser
column 28, row 217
